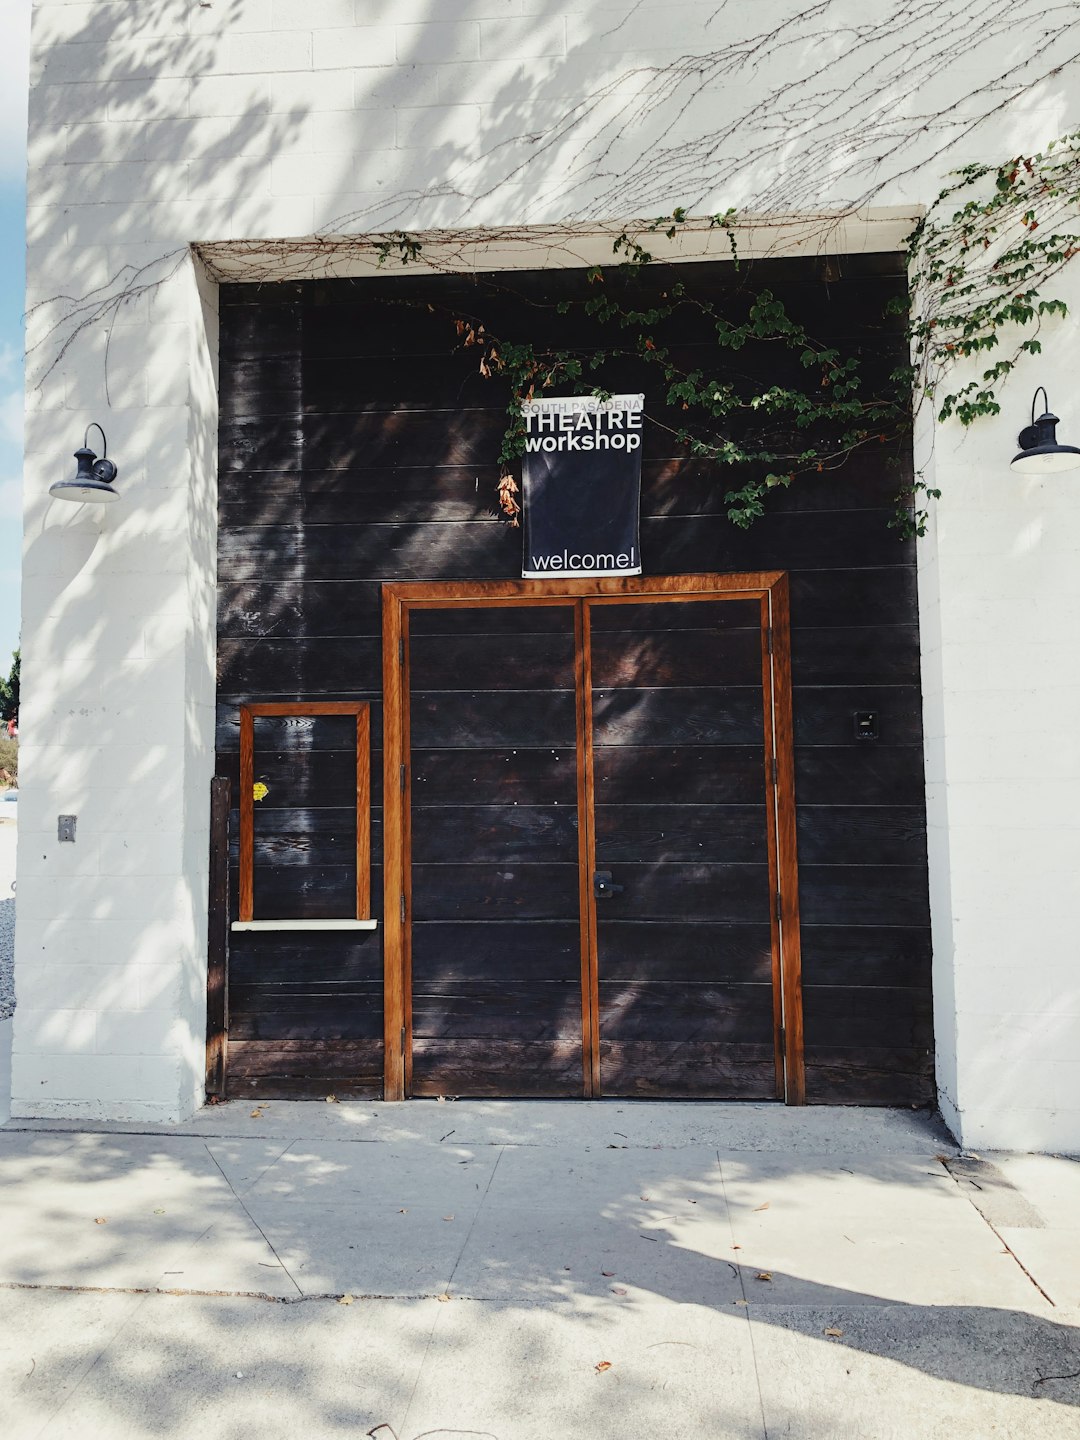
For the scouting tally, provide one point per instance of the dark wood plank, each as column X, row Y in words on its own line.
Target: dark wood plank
column 527, row 1011
column 683, row 774
column 448, row 952
column 376, row 552
column 383, row 495
column 811, row 541
column 688, row 488
column 516, row 621
column 541, row 775
column 521, row 1069
column 263, row 1013
column 642, row 834
column 269, row 328
column 685, row 953
column 887, row 595
column 668, row 1011
column 861, row 773
column 495, row 834
column 317, row 1086
column 870, row 1077
column 253, row 1059
column 306, row 959
column 311, row 782
column 411, row 437
column 857, row 1016
column 262, row 442
column 864, row 894
column 480, row 720
column 265, row 385
column 676, row 658
column 632, row 618
column 867, row 955
column 726, row 715
column 308, row 892
column 303, row 835
column 720, row 893
column 855, row 655
column 862, row 834
column 526, row 662
column 825, row 715
column 314, row 667
column 496, row 892
column 319, row 610
column 295, row 734
column 702, row 1070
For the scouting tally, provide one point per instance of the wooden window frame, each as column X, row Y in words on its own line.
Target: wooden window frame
column 770, row 588
column 361, row 709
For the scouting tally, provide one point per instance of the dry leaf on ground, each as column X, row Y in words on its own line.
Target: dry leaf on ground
column 833, row 1330
column 761, row 1207
column 442, row 1299
column 763, row 1275
column 101, row 1220
column 602, row 1366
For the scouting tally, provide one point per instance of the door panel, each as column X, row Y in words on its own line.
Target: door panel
column 496, row 937
column 684, row 943
column 593, row 833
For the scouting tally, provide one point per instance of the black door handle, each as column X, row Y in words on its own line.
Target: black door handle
column 602, row 886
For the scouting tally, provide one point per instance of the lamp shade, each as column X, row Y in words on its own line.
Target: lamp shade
column 1040, row 453
column 92, row 482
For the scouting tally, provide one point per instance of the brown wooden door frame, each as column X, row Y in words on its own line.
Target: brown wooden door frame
column 770, row 588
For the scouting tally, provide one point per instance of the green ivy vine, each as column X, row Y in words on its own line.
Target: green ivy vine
column 978, row 262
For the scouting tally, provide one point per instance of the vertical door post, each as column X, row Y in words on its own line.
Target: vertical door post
column 395, row 809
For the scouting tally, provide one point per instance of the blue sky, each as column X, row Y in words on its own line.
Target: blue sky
column 15, row 28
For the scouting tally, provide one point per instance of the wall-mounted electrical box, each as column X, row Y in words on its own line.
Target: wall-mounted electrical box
column 866, row 725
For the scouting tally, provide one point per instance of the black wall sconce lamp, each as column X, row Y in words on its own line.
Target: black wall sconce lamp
column 93, row 479
column 1040, row 453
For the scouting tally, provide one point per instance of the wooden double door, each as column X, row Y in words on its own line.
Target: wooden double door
column 590, row 869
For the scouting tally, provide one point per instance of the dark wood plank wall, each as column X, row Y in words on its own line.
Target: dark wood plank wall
column 358, row 444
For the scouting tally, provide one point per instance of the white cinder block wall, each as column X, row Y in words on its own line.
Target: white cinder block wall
column 159, row 123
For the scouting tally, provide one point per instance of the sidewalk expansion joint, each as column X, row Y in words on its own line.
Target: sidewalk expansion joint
column 996, row 1201
column 336, row 1296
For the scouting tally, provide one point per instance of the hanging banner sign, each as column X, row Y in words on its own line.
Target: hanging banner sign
column 581, row 483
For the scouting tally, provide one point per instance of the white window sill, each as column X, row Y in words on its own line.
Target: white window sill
column 304, row 925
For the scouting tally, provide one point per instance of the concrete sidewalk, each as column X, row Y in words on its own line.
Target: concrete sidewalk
column 535, row 1270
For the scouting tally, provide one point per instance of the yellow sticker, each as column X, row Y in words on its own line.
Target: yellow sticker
column 259, row 790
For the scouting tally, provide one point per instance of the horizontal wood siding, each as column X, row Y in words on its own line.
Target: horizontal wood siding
column 359, row 444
